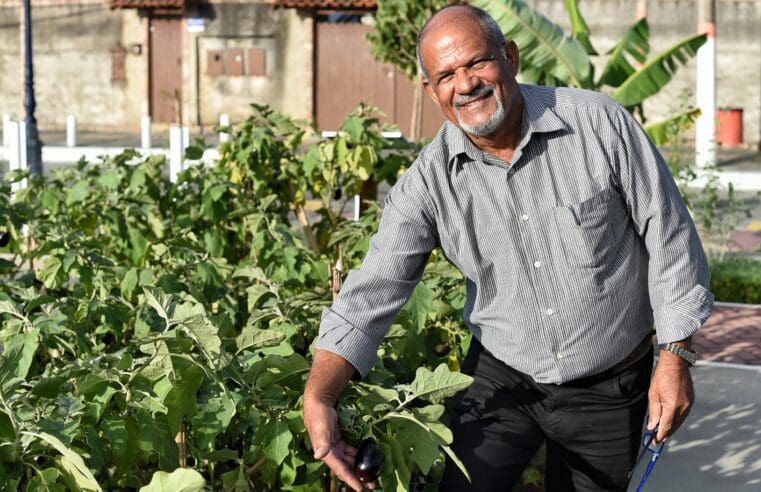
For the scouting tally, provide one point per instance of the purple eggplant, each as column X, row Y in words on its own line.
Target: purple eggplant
column 368, row 464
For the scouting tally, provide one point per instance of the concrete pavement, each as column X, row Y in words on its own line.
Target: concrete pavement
column 718, row 449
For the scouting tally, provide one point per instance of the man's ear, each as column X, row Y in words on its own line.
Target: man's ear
column 513, row 56
column 429, row 90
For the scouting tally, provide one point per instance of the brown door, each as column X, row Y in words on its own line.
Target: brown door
column 347, row 74
column 166, row 69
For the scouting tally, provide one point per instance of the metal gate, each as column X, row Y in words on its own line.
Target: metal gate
column 347, row 74
column 165, row 69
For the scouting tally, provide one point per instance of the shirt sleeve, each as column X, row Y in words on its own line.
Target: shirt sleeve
column 678, row 274
column 372, row 296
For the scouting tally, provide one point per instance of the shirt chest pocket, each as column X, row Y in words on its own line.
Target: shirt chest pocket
column 592, row 231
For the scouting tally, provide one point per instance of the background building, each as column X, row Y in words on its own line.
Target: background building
column 108, row 62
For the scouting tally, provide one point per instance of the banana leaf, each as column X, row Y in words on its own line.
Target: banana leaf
column 663, row 132
column 652, row 77
column 634, row 44
column 580, row 28
column 542, row 44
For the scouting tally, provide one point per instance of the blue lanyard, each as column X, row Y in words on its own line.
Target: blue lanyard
column 656, row 453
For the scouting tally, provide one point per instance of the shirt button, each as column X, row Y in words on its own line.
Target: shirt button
column 537, row 264
column 550, row 312
column 560, row 355
column 524, row 217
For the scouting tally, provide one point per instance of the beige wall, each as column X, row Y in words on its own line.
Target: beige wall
column 73, row 39
column 285, row 35
column 738, row 48
column 72, row 61
column 72, row 56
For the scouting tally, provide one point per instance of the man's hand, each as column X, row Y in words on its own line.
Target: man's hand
column 321, row 421
column 329, row 375
column 671, row 395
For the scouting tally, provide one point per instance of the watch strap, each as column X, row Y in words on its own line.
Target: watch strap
column 690, row 356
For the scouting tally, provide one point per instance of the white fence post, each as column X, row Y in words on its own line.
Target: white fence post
column 224, row 121
column 145, row 132
column 357, row 203
column 71, row 131
column 185, row 138
column 6, row 129
column 17, row 150
column 179, row 139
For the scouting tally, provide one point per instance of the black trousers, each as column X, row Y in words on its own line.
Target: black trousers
column 592, row 427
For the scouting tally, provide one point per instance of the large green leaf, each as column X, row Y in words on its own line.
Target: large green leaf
column 71, row 462
column 663, row 132
column 155, row 436
column 634, row 44
column 437, row 385
column 180, row 480
column 542, row 44
column 17, row 359
column 252, row 338
column 275, row 437
column 652, row 77
column 579, row 25
column 419, row 305
column 181, row 399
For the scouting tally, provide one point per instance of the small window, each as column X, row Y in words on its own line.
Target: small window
column 234, row 62
column 118, row 69
column 257, row 62
column 215, row 63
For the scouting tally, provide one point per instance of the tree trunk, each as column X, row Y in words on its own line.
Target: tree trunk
column 416, row 123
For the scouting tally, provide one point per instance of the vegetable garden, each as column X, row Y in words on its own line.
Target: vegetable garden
column 158, row 335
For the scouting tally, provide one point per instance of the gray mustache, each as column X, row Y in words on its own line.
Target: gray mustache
column 480, row 91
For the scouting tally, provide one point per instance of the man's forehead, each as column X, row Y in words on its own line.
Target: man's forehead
column 454, row 35
column 453, row 22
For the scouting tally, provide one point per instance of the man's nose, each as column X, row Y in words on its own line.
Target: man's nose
column 465, row 83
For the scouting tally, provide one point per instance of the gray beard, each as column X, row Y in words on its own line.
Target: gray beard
column 487, row 127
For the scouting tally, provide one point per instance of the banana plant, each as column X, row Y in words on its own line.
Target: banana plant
column 550, row 56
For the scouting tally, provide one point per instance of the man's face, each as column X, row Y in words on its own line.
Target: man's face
column 473, row 82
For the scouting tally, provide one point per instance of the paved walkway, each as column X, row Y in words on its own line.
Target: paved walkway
column 732, row 334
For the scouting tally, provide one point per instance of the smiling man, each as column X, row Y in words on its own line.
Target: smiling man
column 574, row 242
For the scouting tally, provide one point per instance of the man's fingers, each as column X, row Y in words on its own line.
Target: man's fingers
column 654, row 413
column 343, row 471
column 321, row 441
column 664, row 429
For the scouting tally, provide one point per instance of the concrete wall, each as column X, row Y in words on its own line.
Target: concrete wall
column 738, row 49
column 285, row 36
column 72, row 57
column 73, row 41
column 72, row 62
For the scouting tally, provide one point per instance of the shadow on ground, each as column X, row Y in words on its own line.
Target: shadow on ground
column 719, row 447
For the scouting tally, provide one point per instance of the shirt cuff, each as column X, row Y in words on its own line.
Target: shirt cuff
column 342, row 338
column 684, row 317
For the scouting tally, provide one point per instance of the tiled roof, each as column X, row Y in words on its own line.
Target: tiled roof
column 327, row 4
column 147, row 4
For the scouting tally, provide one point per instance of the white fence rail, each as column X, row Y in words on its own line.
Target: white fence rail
column 13, row 148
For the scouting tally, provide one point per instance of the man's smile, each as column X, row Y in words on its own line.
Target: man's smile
column 474, row 98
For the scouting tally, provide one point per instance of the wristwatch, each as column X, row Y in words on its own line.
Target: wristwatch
column 689, row 355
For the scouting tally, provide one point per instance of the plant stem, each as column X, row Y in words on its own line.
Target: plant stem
column 256, row 466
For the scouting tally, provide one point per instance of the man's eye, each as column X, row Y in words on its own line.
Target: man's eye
column 480, row 64
column 445, row 78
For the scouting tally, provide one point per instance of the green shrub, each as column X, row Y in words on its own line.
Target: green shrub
column 736, row 280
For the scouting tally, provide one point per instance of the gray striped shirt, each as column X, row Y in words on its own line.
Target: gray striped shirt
column 571, row 253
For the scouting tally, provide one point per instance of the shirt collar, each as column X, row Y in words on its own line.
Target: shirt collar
column 538, row 117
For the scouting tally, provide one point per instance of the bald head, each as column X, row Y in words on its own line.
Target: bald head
column 456, row 14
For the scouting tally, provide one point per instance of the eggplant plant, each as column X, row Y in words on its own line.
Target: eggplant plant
column 157, row 336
